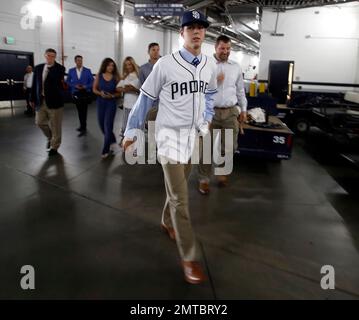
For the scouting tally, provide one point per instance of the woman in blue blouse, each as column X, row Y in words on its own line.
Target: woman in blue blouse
column 105, row 88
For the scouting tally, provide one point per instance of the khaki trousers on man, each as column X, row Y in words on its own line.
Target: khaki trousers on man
column 176, row 210
column 50, row 122
column 152, row 114
column 224, row 118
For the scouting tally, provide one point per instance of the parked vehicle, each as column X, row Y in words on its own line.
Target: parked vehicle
column 335, row 114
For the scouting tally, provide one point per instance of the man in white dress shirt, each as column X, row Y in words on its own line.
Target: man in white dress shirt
column 230, row 106
column 29, row 75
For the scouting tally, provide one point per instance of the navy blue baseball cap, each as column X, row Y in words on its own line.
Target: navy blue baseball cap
column 192, row 17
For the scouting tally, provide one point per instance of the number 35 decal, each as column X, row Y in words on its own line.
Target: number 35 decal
column 278, row 139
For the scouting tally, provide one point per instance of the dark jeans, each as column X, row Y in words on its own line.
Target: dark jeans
column 82, row 112
column 28, row 99
column 106, row 115
column 81, row 100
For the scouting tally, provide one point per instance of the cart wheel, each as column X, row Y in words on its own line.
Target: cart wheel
column 301, row 125
column 342, row 139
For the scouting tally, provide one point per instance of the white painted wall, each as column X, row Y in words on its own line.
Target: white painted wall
column 136, row 44
column 88, row 34
column 85, row 32
column 246, row 61
column 34, row 40
column 330, row 54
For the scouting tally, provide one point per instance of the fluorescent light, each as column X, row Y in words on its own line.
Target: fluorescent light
column 129, row 29
column 47, row 10
column 254, row 24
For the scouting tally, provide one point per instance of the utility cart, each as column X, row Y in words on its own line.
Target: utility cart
column 271, row 140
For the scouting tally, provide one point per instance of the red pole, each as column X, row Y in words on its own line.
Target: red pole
column 62, row 32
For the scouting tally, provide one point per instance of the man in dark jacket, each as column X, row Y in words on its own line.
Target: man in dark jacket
column 48, row 99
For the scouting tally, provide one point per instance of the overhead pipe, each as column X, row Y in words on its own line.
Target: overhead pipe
column 62, row 32
column 322, row 4
column 238, row 31
column 200, row 5
column 119, row 38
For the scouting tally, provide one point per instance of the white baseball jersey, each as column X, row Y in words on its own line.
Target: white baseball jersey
column 181, row 89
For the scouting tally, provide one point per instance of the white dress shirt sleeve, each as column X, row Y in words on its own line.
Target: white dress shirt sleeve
column 240, row 92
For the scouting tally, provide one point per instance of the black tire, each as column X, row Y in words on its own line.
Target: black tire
column 342, row 139
column 301, row 125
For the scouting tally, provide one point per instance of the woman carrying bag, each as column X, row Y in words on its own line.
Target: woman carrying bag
column 129, row 86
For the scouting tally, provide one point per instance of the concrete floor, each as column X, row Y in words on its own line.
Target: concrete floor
column 91, row 228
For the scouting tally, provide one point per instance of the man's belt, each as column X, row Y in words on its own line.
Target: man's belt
column 224, row 108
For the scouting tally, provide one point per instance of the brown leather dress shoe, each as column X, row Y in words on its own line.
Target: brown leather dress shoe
column 203, row 188
column 193, row 272
column 222, row 181
column 170, row 231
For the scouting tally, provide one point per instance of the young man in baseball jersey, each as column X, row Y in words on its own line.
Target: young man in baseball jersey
column 230, row 106
column 185, row 83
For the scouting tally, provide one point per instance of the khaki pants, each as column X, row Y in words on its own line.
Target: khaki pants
column 176, row 211
column 226, row 118
column 50, row 122
column 152, row 114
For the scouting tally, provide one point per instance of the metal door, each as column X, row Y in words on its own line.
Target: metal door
column 12, row 71
column 280, row 79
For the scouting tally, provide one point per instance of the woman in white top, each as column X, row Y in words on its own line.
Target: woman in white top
column 129, row 85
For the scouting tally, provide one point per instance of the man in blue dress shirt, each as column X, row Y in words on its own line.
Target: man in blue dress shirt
column 184, row 82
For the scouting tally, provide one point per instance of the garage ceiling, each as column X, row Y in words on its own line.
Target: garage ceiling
column 238, row 19
column 287, row 4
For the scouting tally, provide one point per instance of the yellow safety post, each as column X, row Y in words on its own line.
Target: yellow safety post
column 262, row 87
column 252, row 89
